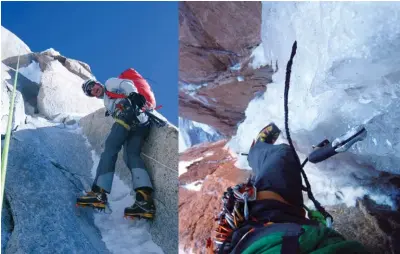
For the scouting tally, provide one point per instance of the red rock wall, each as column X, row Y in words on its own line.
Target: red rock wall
column 213, row 37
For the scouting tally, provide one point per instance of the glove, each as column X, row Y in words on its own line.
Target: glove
column 125, row 113
column 137, row 99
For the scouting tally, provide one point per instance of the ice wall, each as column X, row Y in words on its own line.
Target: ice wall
column 346, row 72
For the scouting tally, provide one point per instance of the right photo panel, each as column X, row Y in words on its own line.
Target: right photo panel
column 288, row 127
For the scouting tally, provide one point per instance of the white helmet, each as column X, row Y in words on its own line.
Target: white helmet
column 88, row 85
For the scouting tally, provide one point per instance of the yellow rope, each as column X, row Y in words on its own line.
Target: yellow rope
column 4, row 157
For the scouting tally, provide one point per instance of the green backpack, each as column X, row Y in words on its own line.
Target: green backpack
column 290, row 238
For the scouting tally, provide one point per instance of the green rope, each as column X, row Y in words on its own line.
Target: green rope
column 4, row 156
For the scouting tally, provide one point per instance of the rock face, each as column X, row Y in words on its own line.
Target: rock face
column 11, row 45
column 377, row 227
column 6, row 93
column 160, row 154
column 42, row 184
column 197, row 209
column 78, row 68
column 216, row 78
column 61, row 92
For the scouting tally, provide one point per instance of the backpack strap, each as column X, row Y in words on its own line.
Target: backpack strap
column 112, row 95
column 290, row 240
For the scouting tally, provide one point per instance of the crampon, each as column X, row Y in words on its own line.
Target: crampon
column 147, row 216
column 97, row 201
column 98, row 207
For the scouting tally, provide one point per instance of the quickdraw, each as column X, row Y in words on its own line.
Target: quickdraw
column 234, row 213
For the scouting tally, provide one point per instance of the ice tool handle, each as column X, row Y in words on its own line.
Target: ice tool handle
column 339, row 145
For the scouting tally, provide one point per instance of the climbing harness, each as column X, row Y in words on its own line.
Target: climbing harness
column 235, row 211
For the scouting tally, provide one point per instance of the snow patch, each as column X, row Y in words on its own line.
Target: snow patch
column 32, row 72
column 259, row 59
column 51, row 52
column 194, row 186
column 192, row 133
column 236, row 67
column 122, row 236
column 183, row 165
column 210, row 153
column 207, row 128
column 184, row 141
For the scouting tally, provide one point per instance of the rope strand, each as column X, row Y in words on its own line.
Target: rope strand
column 317, row 205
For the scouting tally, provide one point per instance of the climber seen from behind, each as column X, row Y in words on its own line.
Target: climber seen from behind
column 267, row 214
column 124, row 98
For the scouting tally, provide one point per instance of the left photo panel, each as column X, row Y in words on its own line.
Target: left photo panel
column 89, row 143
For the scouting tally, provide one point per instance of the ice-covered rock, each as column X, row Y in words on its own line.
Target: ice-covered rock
column 345, row 73
column 192, row 133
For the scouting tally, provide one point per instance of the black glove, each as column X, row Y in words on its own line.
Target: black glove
column 137, row 99
column 126, row 112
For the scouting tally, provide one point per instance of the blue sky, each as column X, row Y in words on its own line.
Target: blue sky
column 109, row 36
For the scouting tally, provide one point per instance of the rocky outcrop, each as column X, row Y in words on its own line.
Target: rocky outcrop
column 211, row 168
column 61, row 92
column 6, row 96
column 12, row 46
column 43, row 181
column 217, row 80
column 160, row 153
column 76, row 67
column 377, row 227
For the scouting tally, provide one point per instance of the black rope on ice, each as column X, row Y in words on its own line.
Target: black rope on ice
column 317, row 205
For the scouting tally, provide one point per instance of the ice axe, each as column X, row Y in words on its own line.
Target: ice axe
column 325, row 149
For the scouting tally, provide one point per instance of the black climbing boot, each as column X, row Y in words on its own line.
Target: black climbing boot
column 97, row 198
column 269, row 134
column 142, row 208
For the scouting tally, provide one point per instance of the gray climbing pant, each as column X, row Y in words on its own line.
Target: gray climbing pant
column 132, row 141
